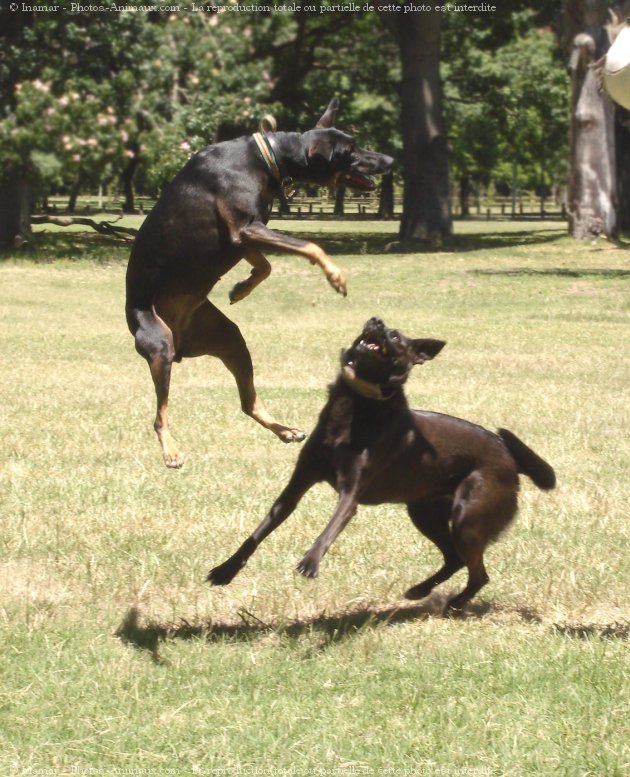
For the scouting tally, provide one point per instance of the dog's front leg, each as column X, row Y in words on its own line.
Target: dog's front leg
column 349, row 479
column 261, row 269
column 302, row 479
column 257, row 235
column 345, row 510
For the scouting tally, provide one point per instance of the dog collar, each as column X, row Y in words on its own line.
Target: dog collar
column 265, row 146
column 266, row 151
column 362, row 387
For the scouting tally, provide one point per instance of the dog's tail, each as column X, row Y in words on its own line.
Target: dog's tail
column 528, row 462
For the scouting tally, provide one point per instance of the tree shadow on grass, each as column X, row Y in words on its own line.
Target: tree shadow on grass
column 561, row 272
column 48, row 246
column 348, row 244
column 328, row 629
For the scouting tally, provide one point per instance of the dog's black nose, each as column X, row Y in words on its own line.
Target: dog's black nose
column 374, row 324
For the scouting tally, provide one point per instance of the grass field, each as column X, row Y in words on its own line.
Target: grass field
column 117, row 658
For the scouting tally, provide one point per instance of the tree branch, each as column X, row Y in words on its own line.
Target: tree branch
column 104, row 227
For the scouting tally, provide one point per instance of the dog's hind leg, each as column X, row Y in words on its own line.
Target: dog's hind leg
column 209, row 332
column 154, row 341
column 432, row 519
column 483, row 505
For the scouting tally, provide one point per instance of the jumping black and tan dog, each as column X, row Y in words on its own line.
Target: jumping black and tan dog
column 459, row 481
column 211, row 216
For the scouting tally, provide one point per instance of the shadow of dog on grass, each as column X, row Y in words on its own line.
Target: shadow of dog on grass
column 330, row 628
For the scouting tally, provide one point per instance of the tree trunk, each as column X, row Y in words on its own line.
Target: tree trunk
column 15, row 211
column 386, row 199
column 592, row 200
column 15, row 185
column 74, row 196
column 426, row 204
column 464, row 194
column 104, row 227
column 284, row 206
column 622, row 132
column 340, row 197
column 127, row 178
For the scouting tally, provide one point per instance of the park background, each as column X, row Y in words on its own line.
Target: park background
column 116, row 654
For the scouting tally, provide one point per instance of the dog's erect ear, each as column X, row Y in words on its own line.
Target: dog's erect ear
column 426, row 349
column 328, row 119
column 321, row 147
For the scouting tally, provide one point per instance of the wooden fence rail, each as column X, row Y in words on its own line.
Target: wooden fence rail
column 526, row 206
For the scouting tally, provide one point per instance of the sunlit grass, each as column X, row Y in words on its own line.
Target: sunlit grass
column 312, row 673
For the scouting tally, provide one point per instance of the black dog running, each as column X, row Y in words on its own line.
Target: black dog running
column 458, row 480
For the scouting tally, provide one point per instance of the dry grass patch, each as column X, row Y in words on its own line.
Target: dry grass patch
column 277, row 671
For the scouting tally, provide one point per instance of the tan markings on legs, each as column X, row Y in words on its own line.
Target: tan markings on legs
column 257, row 235
column 264, row 418
column 211, row 332
column 160, row 366
column 155, row 342
column 261, row 269
column 172, row 457
column 334, row 275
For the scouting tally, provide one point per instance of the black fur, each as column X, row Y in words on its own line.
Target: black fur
column 212, row 215
column 459, row 481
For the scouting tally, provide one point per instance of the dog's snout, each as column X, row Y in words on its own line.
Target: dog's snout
column 373, row 326
column 387, row 162
column 372, row 162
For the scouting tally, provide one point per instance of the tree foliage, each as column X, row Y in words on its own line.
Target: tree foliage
column 85, row 96
column 88, row 96
column 507, row 100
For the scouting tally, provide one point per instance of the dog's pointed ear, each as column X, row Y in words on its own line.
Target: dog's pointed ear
column 426, row 349
column 328, row 119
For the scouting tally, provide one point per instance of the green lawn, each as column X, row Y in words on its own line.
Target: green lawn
column 118, row 658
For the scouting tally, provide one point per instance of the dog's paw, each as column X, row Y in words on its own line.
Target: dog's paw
column 456, row 605
column 308, row 567
column 420, row 591
column 174, row 460
column 172, row 457
column 239, row 291
column 292, row 435
column 337, row 280
column 223, row 574
column 284, row 433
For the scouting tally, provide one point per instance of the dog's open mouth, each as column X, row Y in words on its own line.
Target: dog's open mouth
column 357, row 181
column 373, row 348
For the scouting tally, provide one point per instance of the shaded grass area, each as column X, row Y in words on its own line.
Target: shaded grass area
column 105, row 551
column 51, row 242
